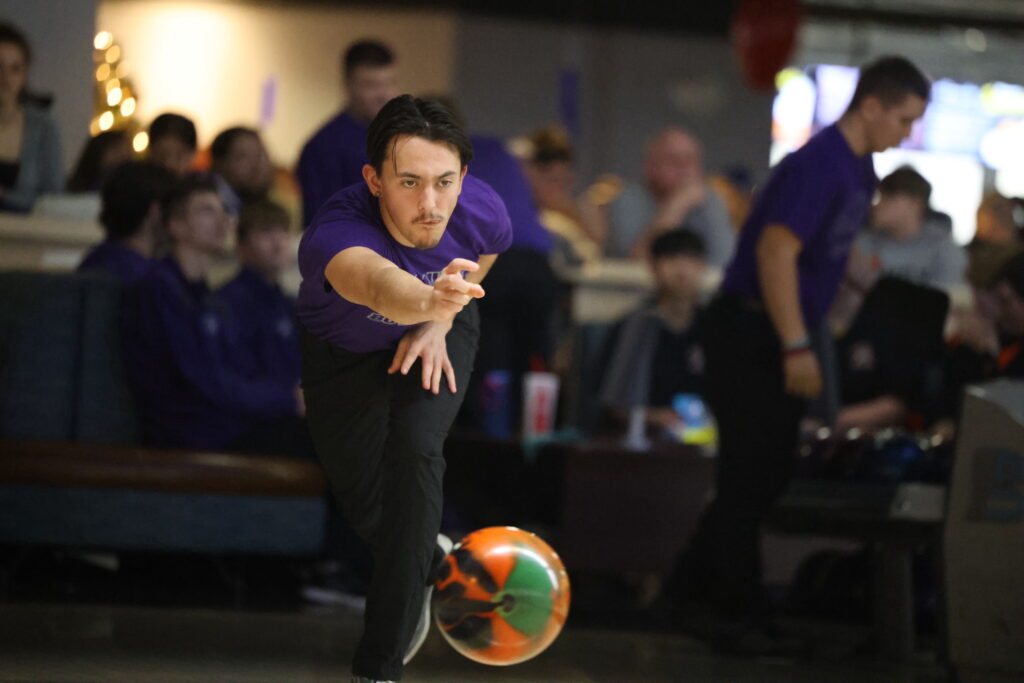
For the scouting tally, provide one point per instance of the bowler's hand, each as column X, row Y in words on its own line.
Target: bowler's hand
column 452, row 291
column 426, row 342
column 802, row 375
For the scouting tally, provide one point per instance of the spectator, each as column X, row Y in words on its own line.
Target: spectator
column 517, row 317
column 890, row 360
column 131, row 220
column 172, row 143
column 99, row 157
column 177, row 340
column 30, row 154
column 264, row 316
column 655, row 350
column 580, row 225
column 985, row 348
column 997, row 240
column 677, row 193
column 904, row 242
column 334, row 157
column 905, row 239
column 241, row 167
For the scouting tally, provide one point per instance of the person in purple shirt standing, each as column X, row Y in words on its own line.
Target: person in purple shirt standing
column 130, row 216
column 177, row 339
column 761, row 368
column 334, row 157
column 517, row 317
column 389, row 272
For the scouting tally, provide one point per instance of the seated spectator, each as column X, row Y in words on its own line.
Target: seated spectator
column 241, row 167
column 101, row 154
column 676, row 193
column 904, row 241
column 580, row 224
column 655, row 353
column 172, row 143
column 177, row 340
column 890, row 360
column 985, row 348
column 130, row 215
column 998, row 238
column 30, row 154
column 263, row 315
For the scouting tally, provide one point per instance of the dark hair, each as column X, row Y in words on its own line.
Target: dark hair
column 366, row 53
column 173, row 126
column 890, row 79
column 1012, row 273
column 261, row 215
column 681, row 242
column 9, row 33
column 550, row 144
column 906, row 181
column 220, row 148
column 128, row 193
column 88, row 174
column 408, row 115
column 181, row 192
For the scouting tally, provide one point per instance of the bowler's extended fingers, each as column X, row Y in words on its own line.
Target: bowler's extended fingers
column 400, row 353
column 435, row 379
column 460, row 264
column 455, row 283
column 450, row 372
column 428, row 373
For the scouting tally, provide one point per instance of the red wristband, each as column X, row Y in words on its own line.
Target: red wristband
column 789, row 353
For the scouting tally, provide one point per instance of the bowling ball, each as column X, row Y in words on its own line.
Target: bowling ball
column 502, row 596
column 895, row 458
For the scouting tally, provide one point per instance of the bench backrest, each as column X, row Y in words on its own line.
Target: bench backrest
column 61, row 375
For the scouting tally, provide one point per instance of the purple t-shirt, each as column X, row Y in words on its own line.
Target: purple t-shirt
column 822, row 192
column 495, row 166
column 331, row 160
column 124, row 263
column 351, row 218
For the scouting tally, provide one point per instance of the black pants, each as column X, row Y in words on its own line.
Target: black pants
column 758, row 432
column 380, row 440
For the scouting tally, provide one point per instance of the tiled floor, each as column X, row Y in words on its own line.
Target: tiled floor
column 81, row 642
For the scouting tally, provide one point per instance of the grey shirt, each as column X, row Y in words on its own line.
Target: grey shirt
column 41, row 169
column 931, row 258
column 634, row 209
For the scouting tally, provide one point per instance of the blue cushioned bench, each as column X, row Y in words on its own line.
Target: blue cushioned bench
column 71, row 471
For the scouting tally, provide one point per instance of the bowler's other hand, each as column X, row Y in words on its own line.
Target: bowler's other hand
column 802, row 375
column 426, row 341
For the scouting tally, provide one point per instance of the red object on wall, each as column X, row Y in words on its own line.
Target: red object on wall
column 764, row 35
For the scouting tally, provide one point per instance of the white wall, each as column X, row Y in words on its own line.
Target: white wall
column 60, row 32
column 213, row 60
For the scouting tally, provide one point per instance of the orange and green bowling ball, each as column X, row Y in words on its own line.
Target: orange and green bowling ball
column 502, row 596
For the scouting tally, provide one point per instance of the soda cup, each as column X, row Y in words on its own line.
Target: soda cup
column 540, row 397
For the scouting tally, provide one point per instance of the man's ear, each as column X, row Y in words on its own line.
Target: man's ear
column 372, row 179
column 871, row 108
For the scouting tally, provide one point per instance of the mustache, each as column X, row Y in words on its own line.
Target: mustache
column 428, row 217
